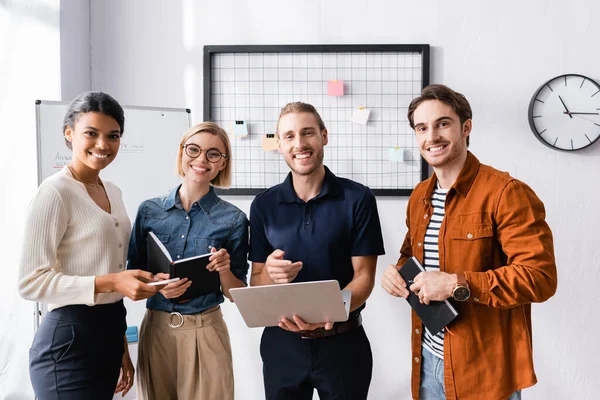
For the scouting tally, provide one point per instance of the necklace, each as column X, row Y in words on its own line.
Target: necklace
column 98, row 185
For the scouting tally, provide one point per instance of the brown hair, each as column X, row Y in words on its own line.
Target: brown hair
column 456, row 100
column 223, row 178
column 300, row 107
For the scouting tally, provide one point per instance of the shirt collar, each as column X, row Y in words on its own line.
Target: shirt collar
column 467, row 175
column 331, row 186
column 464, row 181
column 206, row 202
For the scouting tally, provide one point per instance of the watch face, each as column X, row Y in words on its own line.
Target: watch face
column 564, row 113
column 461, row 293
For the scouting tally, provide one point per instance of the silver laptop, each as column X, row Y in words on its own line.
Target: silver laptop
column 313, row 302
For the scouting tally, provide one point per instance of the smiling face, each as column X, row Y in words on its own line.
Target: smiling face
column 301, row 142
column 199, row 170
column 95, row 139
column 440, row 135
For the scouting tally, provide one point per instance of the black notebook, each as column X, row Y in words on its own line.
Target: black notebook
column 437, row 314
column 193, row 268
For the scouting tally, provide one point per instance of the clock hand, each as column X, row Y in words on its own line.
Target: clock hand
column 564, row 105
column 586, row 118
column 585, row 113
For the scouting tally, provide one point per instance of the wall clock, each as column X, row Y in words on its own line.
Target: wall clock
column 564, row 113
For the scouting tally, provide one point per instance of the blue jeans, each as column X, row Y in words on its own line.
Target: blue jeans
column 432, row 379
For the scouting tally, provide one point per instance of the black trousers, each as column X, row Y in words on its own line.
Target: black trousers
column 339, row 367
column 77, row 352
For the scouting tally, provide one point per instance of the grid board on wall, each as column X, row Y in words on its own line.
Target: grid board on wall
column 253, row 83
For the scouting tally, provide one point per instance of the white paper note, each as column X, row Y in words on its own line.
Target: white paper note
column 360, row 116
column 240, row 129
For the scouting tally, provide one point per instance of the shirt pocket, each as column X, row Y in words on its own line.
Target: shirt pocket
column 470, row 248
column 163, row 237
column 203, row 245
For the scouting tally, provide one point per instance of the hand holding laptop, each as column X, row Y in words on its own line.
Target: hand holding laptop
column 298, row 325
column 296, row 307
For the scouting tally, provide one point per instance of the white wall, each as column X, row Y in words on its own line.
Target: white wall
column 75, row 48
column 29, row 70
column 150, row 53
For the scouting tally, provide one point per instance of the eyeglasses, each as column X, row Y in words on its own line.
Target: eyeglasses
column 212, row 155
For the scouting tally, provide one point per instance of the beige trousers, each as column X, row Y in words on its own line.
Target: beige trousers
column 192, row 361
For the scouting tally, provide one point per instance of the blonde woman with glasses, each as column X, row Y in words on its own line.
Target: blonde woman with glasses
column 184, row 350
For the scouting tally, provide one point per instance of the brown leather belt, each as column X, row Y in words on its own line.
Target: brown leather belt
column 338, row 327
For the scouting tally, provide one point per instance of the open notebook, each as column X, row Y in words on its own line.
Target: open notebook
column 193, row 268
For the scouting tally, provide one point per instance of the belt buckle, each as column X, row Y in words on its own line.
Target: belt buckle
column 315, row 334
column 171, row 325
column 303, row 335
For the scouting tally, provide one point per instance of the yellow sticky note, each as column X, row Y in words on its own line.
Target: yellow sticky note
column 269, row 142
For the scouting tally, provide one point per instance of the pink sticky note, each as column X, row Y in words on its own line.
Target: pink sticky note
column 335, row 88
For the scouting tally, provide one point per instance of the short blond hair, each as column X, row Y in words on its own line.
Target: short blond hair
column 223, row 178
column 298, row 107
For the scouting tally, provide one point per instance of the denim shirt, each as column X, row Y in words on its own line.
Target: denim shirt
column 211, row 222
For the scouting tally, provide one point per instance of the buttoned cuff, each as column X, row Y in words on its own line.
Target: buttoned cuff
column 479, row 286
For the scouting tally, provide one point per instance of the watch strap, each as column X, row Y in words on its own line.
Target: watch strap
column 461, row 279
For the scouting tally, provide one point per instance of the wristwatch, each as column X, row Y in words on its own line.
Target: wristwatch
column 461, row 291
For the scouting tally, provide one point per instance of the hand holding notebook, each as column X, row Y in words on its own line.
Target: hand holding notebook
column 193, row 268
column 437, row 314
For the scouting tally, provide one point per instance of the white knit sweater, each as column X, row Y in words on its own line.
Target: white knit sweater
column 69, row 240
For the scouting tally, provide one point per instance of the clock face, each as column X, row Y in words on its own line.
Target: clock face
column 564, row 113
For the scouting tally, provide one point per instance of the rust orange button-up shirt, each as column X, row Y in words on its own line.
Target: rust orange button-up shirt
column 494, row 231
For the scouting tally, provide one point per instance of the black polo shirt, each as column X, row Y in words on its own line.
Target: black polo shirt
column 324, row 233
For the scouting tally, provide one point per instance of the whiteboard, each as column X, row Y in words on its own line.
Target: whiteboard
column 144, row 168
column 252, row 83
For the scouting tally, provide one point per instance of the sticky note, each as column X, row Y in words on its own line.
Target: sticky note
column 240, row 129
column 335, row 88
column 360, row 115
column 269, row 142
column 395, row 154
column 132, row 334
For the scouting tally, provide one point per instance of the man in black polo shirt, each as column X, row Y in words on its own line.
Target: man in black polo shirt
column 315, row 226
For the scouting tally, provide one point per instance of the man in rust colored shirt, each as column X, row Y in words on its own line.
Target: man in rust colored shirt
column 485, row 245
